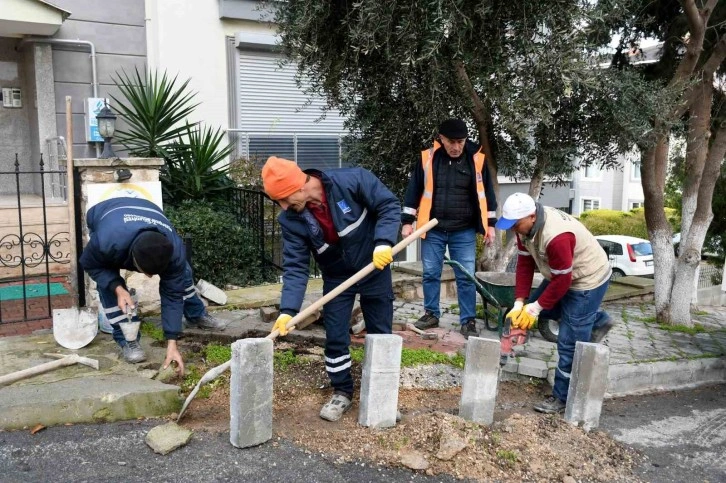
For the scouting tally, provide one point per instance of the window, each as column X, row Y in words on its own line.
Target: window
column 592, row 172
column 635, row 171
column 590, row 204
column 636, row 204
column 611, row 248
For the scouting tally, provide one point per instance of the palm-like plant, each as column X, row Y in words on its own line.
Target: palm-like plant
column 193, row 165
column 154, row 108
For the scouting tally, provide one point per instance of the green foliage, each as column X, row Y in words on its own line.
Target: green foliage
column 284, row 359
column 217, row 354
column 152, row 331
column 191, row 171
column 223, row 251
column 192, row 377
column 516, row 71
column 630, row 223
column 153, row 107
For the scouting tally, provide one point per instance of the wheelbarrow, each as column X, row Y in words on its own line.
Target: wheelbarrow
column 497, row 293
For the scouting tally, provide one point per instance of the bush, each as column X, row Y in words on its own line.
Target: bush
column 223, row 251
column 630, row 223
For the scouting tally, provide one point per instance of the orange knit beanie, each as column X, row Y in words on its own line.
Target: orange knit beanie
column 281, row 178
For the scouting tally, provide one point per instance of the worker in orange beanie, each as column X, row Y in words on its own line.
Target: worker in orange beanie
column 345, row 218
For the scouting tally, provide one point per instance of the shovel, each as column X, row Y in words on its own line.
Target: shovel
column 215, row 372
column 74, row 328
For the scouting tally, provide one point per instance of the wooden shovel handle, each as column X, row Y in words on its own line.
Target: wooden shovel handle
column 362, row 273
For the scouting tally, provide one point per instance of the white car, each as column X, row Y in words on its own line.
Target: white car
column 628, row 255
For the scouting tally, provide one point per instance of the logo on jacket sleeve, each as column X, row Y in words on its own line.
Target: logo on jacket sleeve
column 343, row 206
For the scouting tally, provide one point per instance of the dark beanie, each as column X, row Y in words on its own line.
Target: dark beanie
column 152, row 251
column 454, row 129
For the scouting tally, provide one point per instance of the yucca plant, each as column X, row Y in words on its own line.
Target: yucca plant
column 154, row 107
column 192, row 161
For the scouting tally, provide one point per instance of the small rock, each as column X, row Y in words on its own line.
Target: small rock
column 414, row 460
column 568, row 479
column 450, row 445
column 166, row 438
column 165, row 375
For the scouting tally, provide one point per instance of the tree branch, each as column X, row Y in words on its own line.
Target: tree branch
column 697, row 30
column 717, row 57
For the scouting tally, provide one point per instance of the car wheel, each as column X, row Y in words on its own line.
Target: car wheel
column 617, row 273
column 549, row 329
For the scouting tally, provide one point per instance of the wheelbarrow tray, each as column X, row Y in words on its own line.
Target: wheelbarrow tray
column 500, row 285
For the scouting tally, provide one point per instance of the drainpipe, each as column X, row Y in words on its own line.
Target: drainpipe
column 94, row 81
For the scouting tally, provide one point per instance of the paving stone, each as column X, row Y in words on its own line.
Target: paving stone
column 532, row 367
column 251, row 392
column 379, row 381
column 588, row 383
column 166, row 438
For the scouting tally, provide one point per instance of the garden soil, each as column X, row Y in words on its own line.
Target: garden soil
column 521, row 445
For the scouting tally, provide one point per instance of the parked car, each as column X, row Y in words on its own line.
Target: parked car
column 628, row 255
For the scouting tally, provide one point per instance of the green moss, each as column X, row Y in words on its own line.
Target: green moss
column 192, row 377
column 217, row 354
column 699, row 312
column 149, row 329
column 647, row 320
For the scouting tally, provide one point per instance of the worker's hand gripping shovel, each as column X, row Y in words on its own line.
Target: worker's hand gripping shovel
column 215, row 372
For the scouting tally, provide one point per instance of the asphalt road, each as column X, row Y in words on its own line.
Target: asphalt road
column 117, row 452
column 682, row 433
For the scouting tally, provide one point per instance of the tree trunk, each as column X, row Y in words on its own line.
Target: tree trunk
column 653, row 160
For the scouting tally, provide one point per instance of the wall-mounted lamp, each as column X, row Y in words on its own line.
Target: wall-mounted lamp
column 106, row 127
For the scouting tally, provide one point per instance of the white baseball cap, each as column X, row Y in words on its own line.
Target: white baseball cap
column 517, row 206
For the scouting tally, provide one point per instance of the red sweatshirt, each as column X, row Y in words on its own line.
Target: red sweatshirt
column 560, row 254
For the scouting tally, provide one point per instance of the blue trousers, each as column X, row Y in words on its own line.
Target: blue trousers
column 376, row 302
column 193, row 307
column 462, row 248
column 579, row 313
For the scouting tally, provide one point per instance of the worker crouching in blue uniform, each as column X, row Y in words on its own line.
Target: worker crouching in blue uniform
column 133, row 234
column 344, row 218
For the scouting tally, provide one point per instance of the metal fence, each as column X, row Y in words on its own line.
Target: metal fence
column 709, row 276
column 258, row 213
column 26, row 254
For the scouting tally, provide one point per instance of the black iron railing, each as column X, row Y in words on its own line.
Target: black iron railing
column 22, row 250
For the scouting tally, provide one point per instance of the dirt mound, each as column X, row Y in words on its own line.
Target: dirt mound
column 521, row 445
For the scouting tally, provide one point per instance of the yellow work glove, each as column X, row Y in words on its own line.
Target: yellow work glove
column 514, row 313
column 382, row 256
column 281, row 324
column 528, row 316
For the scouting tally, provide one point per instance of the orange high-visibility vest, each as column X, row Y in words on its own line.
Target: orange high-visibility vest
column 424, row 206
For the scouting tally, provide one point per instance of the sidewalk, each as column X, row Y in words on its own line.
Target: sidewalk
column 643, row 358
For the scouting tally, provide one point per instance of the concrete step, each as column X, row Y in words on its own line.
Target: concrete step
column 78, row 393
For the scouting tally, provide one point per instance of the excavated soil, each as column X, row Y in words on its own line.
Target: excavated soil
column 521, row 445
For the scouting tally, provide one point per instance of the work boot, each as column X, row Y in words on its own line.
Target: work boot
column 208, row 322
column 599, row 333
column 133, row 352
column 427, row 321
column 334, row 409
column 551, row 405
column 468, row 329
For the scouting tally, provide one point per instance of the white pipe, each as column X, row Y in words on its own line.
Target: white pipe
column 94, row 74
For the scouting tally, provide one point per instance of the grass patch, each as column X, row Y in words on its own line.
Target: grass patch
column 415, row 357
column 454, row 308
column 624, row 315
column 217, row 354
column 149, row 329
column 696, row 329
column 281, row 360
column 647, row 320
column 699, row 312
column 508, row 455
column 192, row 377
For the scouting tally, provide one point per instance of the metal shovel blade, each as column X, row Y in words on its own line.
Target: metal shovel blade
column 74, row 328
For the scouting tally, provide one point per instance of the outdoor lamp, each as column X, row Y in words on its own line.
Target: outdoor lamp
column 106, row 127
